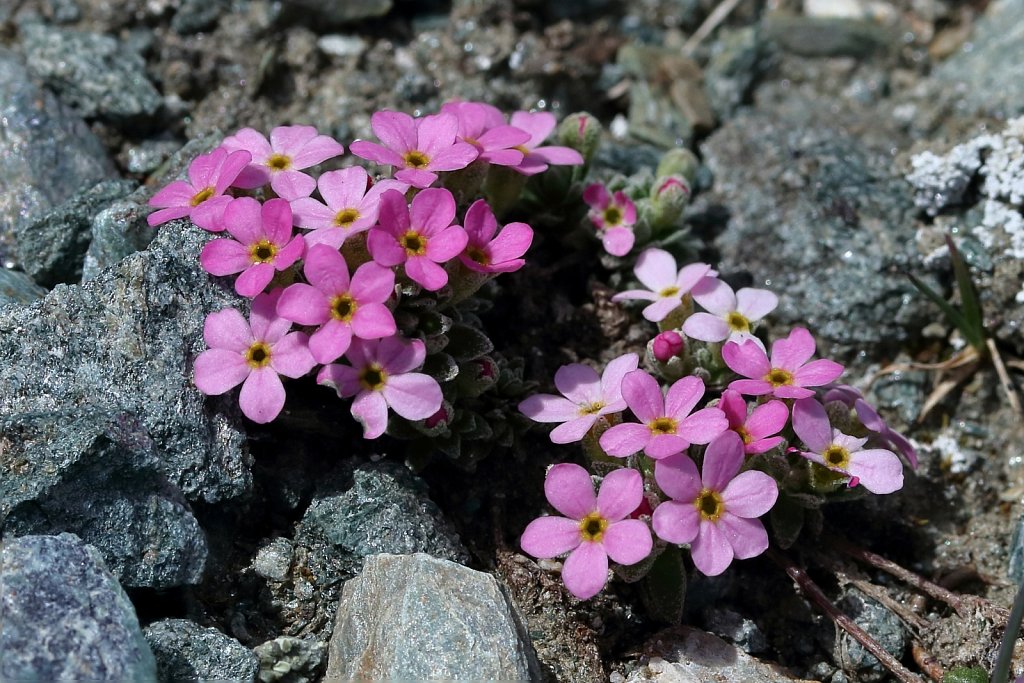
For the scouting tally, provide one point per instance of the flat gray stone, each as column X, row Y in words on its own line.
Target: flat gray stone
column 17, row 287
column 186, row 651
column 333, row 13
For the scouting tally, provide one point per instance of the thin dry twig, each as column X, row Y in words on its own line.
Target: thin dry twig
column 717, row 16
column 1004, row 377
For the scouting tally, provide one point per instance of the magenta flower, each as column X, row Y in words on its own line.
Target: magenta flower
column 667, row 345
column 281, row 160
column 666, row 287
column 484, row 127
column 264, row 244
column 870, row 418
column 419, row 148
column 666, row 426
column 352, row 206
column 594, row 527
column 758, row 429
column 536, row 158
column 202, row 197
column 614, row 216
column 879, row 470
column 252, row 354
column 729, row 315
column 381, row 376
column 487, row 253
column 421, row 235
column 787, row 375
column 587, row 397
column 342, row 308
column 715, row 512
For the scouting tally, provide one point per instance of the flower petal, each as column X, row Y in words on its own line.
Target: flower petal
column 678, row 478
column 569, row 490
column 243, row 219
column 664, row 445
column 254, row 279
column 371, row 151
column 547, row 537
column 219, row 370
column 432, row 210
column 262, row 396
column 722, row 460
column 754, row 304
column 446, row 244
column 290, row 355
column 373, row 321
column 579, row 383
column 372, row 284
column 426, row 273
column 767, row 419
column 715, row 296
column 342, row 378
column 711, row 551
column 397, row 354
column 751, row 387
column 332, row 340
column 656, row 269
column 614, row 372
column 793, row 351
column 880, row 471
column 548, row 408
column 625, row 439
column 621, row 492
column 643, row 395
column 628, row 541
column 224, row 256
column 326, row 270
column 395, row 129
column 817, row 372
column 746, row 536
column 227, row 329
column 706, row 327
column 413, row 395
column 811, row 424
column 371, row 410
column 750, row 494
column 676, row 522
column 573, row 430
column 585, row 571
column 682, row 396
column 703, row 426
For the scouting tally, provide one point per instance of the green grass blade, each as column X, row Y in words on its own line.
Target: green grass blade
column 951, row 313
column 970, row 305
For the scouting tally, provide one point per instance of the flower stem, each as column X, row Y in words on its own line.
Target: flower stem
column 1001, row 672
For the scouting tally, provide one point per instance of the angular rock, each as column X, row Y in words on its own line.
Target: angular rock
column 97, row 475
column 881, row 624
column 194, row 16
column 185, row 651
column 290, row 660
column 737, row 60
column 94, row 74
column 18, row 288
column 828, row 36
column 332, row 13
column 65, row 618
column 415, row 617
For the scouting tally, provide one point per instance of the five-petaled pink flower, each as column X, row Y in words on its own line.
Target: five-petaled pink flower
column 340, row 306
column 483, row 126
column 381, row 376
column 666, row 426
column 758, row 428
column 265, row 244
column 281, row 160
column 351, row 208
column 729, row 314
column 879, row 470
column 787, row 375
column 252, row 354
column 418, row 148
column 487, row 253
column 871, row 420
column 594, row 527
column 586, row 398
column 614, row 216
column 202, row 197
column 421, row 235
column 537, row 157
column 666, row 286
column 715, row 512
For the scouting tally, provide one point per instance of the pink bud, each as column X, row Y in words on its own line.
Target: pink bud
column 440, row 417
column 667, row 344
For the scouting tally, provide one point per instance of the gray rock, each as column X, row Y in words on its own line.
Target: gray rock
column 737, row 60
column 47, row 153
column 1015, row 565
column 147, row 156
column 185, row 651
column 827, row 36
column 52, row 248
column 274, row 559
column 97, row 475
column 64, row 11
column 734, row 627
column 415, row 617
column 332, row 13
column 117, row 231
column 94, row 74
column 18, row 288
column 124, row 342
column 290, row 659
column 65, row 617
column 884, row 626
column 194, row 16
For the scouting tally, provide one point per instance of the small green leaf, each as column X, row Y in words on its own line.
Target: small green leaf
column 965, row 674
column 787, row 517
column 663, row 590
column 467, row 343
column 974, row 330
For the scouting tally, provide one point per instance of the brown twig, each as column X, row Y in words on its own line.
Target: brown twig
column 1004, row 377
column 717, row 16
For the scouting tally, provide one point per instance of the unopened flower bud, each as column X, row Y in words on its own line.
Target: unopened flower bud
column 669, row 197
column 679, row 162
column 582, row 132
column 668, row 345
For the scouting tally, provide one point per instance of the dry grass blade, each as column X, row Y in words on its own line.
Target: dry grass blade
column 1004, row 377
column 945, row 387
column 717, row 16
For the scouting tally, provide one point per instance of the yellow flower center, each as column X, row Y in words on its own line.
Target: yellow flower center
column 345, row 218
column 201, row 196
column 522, row 148
column 258, row 355
column 662, row 425
column 591, row 408
column 279, row 162
column 478, row 255
column 416, row 159
column 613, row 215
column 262, row 252
column 668, row 292
column 415, row 244
column 836, row 456
column 343, row 308
column 373, row 377
column 778, row 377
column 710, row 505
column 737, row 322
column 744, row 434
column 592, row 527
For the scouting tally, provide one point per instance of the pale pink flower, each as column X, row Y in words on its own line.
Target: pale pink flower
column 537, row 157
column 870, row 418
column 484, row 127
column 264, row 244
column 879, row 470
column 342, row 308
column 280, row 160
column 416, row 148
column 667, row 345
column 352, row 206
column 757, row 429
column 594, row 527
column 666, row 426
column 614, row 216
column 381, row 376
column 715, row 512
column 730, row 315
column 487, row 253
column 666, row 286
column 201, row 197
column 787, row 375
column 421, row 235
column 252, row 354
column 586, row 398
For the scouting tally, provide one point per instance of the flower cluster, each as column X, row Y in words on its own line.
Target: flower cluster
column 334, row 253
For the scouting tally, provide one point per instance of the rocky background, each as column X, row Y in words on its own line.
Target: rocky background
column 149, row 532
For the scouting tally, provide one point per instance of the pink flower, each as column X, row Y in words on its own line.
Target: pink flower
column 788, row 373
column 715, row 512
column 870, row 418
column 342, row 308
column 666, row 287
column 281, row 160
column 614, row 217
column 484, row 127
column 666, row 426
column 421, row 235
column 381, row 376
column 352, row 206
column 756, row 430
column 729, row 315
column 667, row 345
column 539, row 125
column 879, row 470
column 252, row 354
column 587, row 397
column 418, row 147
column 593, row 529
column 487, row 253
column 202, row 197
column 265, row 244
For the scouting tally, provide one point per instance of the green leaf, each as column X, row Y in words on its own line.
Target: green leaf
column 963, row 674
column 663, row 590
column 951, row 313
column 787, row 517
column 467, row 343
column 974, row 330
